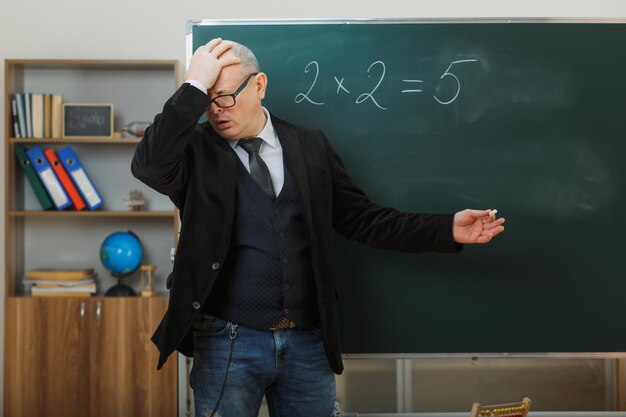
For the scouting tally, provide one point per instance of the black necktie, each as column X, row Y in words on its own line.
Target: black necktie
column 258, row 169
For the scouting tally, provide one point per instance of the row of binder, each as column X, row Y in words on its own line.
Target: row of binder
column 36, row 115
column 58, row 178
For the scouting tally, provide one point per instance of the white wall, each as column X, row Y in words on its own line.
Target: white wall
column 155, row 29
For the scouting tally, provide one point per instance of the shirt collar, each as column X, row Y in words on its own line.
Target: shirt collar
column 268, row 134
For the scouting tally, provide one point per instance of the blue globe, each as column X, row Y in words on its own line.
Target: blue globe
column 121, row 253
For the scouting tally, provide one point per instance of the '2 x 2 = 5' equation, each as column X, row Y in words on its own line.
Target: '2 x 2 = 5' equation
column 413, row 86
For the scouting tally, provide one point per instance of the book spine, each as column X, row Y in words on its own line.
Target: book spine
column 48, row 116
column 57, row 114
column 65, row 180
column 83, row 182
column 28, row 115
column 37, row 115
column 14, row 119
column 34, row 180
column 19, row 98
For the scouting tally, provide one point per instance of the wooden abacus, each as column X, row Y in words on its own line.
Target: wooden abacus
column 501, row 410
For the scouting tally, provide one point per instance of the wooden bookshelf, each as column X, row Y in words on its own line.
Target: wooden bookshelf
column 95, row 334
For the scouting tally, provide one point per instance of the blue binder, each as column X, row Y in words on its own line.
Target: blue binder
column 78, row 174
column 49, row 179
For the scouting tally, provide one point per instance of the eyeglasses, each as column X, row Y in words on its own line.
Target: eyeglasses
column 225, row 101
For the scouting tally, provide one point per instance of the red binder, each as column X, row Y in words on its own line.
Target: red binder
column 70, row 189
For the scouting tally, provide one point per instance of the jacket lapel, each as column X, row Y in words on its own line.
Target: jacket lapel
column 294, row 159
column 227, row 169
column 293, row 154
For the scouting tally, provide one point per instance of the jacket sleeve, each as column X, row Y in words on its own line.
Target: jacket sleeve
column 159, row 159
column 357, row 218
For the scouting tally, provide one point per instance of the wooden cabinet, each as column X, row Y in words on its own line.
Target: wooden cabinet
column 86, row 356
column 79, row 356
column 47, row 357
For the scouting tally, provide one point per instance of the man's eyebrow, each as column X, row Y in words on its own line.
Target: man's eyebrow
column 221, row 91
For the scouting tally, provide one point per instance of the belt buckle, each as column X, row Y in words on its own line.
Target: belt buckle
column 283, row 323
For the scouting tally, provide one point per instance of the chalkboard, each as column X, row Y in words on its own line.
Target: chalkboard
column 528, row 118
column 87, row 120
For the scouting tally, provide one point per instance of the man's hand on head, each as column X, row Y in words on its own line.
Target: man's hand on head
column 208, row 60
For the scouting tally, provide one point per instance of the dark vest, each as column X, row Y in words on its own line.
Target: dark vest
column 268, row 272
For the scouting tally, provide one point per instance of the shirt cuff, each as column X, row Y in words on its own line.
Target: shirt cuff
column 198, row 85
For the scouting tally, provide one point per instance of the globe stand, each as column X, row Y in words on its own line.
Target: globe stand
column 121, row 254
column 120, row 290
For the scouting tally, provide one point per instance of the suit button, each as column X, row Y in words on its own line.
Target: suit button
column 286, row 286
column 196, row 305
column 276, row 212
column 281, row 235
column 286, row 311
column 215, row 266
column 285, row 260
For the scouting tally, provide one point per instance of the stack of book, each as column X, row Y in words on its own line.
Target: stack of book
column 36, row 115
column 61, row 283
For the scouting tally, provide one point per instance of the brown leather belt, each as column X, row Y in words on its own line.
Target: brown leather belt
column 283, row 323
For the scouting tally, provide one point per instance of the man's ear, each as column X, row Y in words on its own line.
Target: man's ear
column 261, row 84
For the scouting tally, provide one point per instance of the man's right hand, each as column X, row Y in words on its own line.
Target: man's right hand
column 208, row 60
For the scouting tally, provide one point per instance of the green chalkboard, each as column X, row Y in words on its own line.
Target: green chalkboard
column 528, row 118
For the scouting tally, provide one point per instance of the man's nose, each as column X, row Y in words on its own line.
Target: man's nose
column 215, row 109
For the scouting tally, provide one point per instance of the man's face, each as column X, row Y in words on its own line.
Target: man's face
column 246, row 118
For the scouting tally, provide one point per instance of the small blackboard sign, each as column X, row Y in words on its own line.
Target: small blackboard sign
column 87, row 120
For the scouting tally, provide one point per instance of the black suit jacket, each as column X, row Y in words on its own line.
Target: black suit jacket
column 196, row 168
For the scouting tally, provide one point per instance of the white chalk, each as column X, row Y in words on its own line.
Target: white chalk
column 493, row 212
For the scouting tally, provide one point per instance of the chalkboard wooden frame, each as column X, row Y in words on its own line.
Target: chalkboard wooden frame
column 105, row 110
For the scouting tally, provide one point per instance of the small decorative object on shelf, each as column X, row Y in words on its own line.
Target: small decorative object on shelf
column 88, row 120
column 135, row 200
column 134, row 129
column 121, row 253
column 147, row 281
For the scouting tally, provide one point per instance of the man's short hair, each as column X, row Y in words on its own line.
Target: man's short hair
column 249, row 62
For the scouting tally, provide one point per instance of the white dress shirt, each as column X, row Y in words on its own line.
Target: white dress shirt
column 271, row 151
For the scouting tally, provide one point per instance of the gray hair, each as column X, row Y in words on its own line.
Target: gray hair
column 249, row 62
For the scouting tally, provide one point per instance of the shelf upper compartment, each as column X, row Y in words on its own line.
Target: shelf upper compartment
column 138, row 89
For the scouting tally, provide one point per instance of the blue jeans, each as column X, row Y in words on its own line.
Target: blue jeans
column 234, row 366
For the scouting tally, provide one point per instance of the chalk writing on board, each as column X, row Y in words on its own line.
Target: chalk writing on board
column 365, row 96
column 458, row 83
column 89, row 119
column 412, row 91
column 416, row 85
column 340, row 85
column 301, row 96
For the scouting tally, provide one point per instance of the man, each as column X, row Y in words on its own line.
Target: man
column 252, row 293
